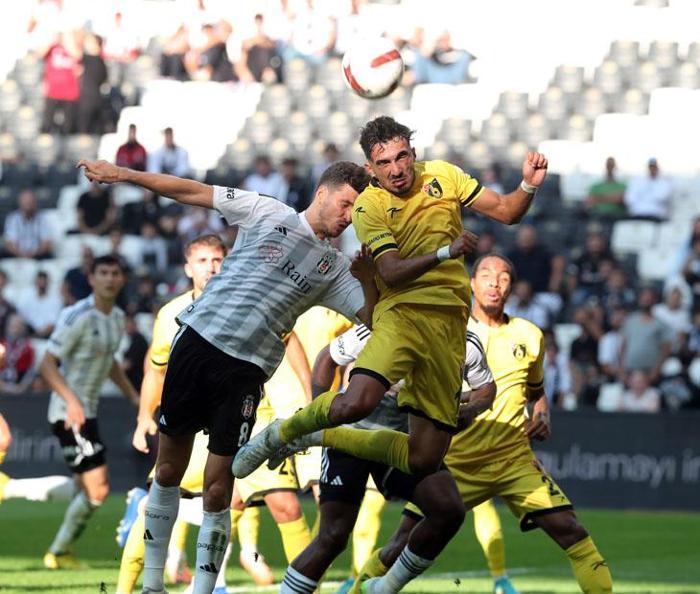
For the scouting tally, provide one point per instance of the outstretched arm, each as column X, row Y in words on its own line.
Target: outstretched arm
column 186, row 191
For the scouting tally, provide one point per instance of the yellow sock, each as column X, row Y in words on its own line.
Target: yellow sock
column 132, row 557
column 589, row 567
column 311, row 418
column 487, row 526
column 295, row 537
column 248, row 528
column 236, row 515
column 383, row 445
column 364, row 537
column 373, row 567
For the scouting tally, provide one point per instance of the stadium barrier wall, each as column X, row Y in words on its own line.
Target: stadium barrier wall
column 608, row 460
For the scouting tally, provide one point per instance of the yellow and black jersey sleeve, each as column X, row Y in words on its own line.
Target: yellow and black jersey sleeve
column 535, row 376
column 468, row 188
column 371, row 227
column 160, row 344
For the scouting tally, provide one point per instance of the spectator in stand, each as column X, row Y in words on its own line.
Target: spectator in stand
column 485, row 244
column 691, row 348
column 586, row 273
column 135, row 353
column 295, row 189
column 649, row 197
column 606, row 198
column 198, row 221
column 154, row 251
column 646, row 341
column 330, row 155
column 94, row 74
column 610, row 346
column 39, row 307
column 211, row 61
column 677, row 390
column 640, row 396
column 313, row 35
column 441, row 63
column 673, row 315
column 96, row 211
column 17, row 374
column 144, row 301
column 61, row 84
column 491, row 178
column 691, row 272
column 585, row 373
column 132, row 153
column 75, row 284
column 523, row 303
column 6, row 308
column 357, row 22
column 264, row 179
column 170, row 158
column 172, row 61
column 28, row 233
column 259, row 60
column 121, row 47
column 557, row 375
column 146, row 210
column 618, row 293
column 687, row 248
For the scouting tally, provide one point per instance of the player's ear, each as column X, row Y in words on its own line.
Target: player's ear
column 188, row 270
column 368, row 168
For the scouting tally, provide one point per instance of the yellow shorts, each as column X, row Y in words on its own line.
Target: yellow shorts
column 426, row 346
column 193, row 479
column 308, row 467
column 520, row 481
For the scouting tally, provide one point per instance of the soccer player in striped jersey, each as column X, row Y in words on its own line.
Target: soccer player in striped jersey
column 79, row 358
column 230, row 340
column 493, row 456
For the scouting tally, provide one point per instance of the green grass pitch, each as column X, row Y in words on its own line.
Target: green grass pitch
column 647, row 552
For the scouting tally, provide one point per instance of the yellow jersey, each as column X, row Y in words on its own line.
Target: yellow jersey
column 426, row 219
column 165, row 328
column 515, row 354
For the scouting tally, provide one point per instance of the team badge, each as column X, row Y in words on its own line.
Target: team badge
column 325, row 263
column 270, row 253
column 248, row 406
column 519, row 351
column 433, row 189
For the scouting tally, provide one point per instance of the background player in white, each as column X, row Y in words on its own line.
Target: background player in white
column 79, row 359
column 231, row 339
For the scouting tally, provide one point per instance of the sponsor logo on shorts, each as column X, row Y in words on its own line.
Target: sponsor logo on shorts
column 248, row 407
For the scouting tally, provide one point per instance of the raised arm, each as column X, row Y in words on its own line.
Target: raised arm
column 186, row 191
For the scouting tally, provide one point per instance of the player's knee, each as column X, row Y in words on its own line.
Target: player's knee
column 217, row 497
column 98, row 493
column 168, row 474
column 564, row 528
column 354, row 409
column 423, row 462
column 334, row 537
column 287, row 511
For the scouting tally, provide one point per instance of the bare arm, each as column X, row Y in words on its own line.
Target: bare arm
column 323, row 372
column 75, row 415
column 186, row 191
column 117, row 375
column 540, row 425
column 151, row 393
column 299, row 363
column 363, row 269
column 474, row 402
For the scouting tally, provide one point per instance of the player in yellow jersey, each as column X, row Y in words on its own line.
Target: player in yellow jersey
column 493, row 455
column 410, row 217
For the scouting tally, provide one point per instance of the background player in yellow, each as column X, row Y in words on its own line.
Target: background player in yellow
column 493, row 455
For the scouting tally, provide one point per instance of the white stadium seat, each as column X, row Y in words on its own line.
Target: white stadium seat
column 630, row 237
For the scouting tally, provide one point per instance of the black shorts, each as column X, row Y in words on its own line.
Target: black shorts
column 207, row 389
column 84, row 450
column 344, row 478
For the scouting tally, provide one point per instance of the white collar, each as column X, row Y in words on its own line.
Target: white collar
column 305, row 223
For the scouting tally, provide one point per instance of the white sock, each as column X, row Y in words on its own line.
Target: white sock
column 191, row 511
column 161, row 513
column 45, row 488
column 74, row 521
column 407, row 567
column 221, row 578
column 297, row 583
column 212, row 540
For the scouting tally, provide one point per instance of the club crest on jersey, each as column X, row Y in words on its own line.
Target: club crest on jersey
column 270, row 253
column 248, row 407
column 325, row 263
column 519, row 351
column 433, row 189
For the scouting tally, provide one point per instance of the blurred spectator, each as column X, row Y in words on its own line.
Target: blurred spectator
column 17, row 373
column 646, row 341
column 170, row 158
column 264, row 179
column 691, row 272
column 172, row 61
column 693, row 341
column 116, row 249
column 649, row 197
column 356, row 23
column 313, row 35
column 75, row 283
column 557, row 375
column 491, row 178
column 28, row 233
column 585, row 373
column 39, row 307
column 121, row 47
column 91, row 103
column 259, row 60
column 146, row 210
column 485, row 244
column 330, row 155
column 61, row 84
column 132, row 153
column 441, row 63
column 686, row 249
column 673, row 315
column 677, row 391
column 640, row 396
column 523, row 303
column 211, row 61
column 610, row 345
column 96, row 211
column 295, row 189
column 198, row 221
column 144, row 301
column 135, row 353
column 586, row 272
column 606, row 198
column 6, row 308
column 154, row 250
column 617, row 292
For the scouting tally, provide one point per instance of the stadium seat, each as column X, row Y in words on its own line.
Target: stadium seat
column 438, row 150
column 80, row 146
column 685, row 75
column 328, row 75
column 664, row 54
column 10, row 98
column 276, row 101
column 398, row 101
column 496, row 131
column 633, row 236
column 533, row 130
column 456, row 132
column 316, row 101
column 478, row 155
column 515, row 153
column 609, row 397
column 624, row 53
column 632, row 101
column 259, row 129
column 592, row 103
column 125, row 193
column 45, row 149
column 355, row 106
column 240, row 154
column 25, row 124
column 513, row 105
column 576, row 128
column 646, row 77
column 608, row 78
column 297, row 76
column 554, row 105
column 279, row 149
column 673, row 234
column 565, row 334
column 656, row 263
column 21, row 271
column 144, row 323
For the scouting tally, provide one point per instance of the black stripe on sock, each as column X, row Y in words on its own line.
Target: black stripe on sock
column 410, row 565
column 297, row 585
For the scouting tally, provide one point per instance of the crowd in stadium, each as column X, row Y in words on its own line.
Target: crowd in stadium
column 613, row 340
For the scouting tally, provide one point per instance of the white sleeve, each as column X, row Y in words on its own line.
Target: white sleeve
column 345, row 294
column 346, row 348
column 244, row 208
column 66, row 334
column 476, row 371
